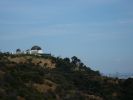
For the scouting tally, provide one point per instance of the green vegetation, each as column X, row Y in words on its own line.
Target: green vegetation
column 70, row 79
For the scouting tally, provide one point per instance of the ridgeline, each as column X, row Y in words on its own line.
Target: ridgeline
column 32, row 77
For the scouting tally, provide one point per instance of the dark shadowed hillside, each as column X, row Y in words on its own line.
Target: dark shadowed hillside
column 29, row 77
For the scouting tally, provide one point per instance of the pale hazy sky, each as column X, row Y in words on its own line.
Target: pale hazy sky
column 99, row 32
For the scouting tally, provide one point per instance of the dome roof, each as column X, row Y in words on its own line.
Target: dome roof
column 36, row 48
column 18, row 50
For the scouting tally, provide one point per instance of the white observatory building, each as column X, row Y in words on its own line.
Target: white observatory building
column 36, row 50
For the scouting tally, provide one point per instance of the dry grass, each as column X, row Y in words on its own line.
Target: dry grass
column 47, row 85
column 46, row 63
column 20, row 98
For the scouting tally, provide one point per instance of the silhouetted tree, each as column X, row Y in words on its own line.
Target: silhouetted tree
column 75, row 60
column 67, row 60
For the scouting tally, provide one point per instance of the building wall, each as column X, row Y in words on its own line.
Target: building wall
column 40, row 51
column 36, row 52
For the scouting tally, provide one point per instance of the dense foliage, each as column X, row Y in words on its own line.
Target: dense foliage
column 69, row 80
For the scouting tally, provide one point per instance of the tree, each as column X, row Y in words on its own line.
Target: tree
column 75, row 60
column 67, row 60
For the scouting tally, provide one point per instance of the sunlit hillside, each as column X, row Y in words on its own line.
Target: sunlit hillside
column 33, row 77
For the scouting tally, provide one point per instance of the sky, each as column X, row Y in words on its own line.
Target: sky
column 99, row 32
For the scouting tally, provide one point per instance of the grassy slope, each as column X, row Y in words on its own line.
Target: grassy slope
column 28, row 77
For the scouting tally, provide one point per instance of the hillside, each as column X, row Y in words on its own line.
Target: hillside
column 30, row 77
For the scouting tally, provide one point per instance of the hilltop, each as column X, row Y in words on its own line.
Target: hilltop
column 34, row 77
